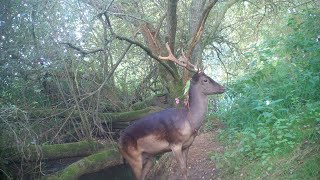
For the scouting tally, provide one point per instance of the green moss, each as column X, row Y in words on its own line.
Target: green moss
column 55, row 151
column 89, row 164
column 176, row 89
column 144, row 104
column 130, row 115
column 114, row 117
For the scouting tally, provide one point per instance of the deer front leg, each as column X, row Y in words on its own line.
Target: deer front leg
column 177, row 152
column 134, row 159
column 147, row 164
column 185, row 155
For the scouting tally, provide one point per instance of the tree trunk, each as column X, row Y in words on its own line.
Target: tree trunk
column 172, row 22
column 195, row 14
column 173, row 84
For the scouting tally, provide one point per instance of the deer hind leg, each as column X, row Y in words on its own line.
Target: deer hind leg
column 177, row 152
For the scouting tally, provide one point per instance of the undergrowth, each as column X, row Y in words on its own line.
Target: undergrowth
column 273, row 112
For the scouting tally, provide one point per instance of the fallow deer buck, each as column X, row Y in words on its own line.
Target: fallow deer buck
column 172, row 129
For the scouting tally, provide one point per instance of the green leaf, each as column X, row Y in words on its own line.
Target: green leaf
column 186, row 87
column 276, row 101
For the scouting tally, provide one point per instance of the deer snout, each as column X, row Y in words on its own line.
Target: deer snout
column 221, row 90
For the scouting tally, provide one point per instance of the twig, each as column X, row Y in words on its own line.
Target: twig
column 128, row 15
column 84, row 52
column 109, row 75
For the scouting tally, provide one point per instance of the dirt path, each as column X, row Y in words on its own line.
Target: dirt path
column 200, row 166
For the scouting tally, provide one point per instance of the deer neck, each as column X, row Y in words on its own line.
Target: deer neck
column 198, row 103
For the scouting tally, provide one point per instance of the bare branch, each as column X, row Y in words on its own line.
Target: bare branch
column 127, row 16
column 109, row 75
column 148, row 51
column 83, row 52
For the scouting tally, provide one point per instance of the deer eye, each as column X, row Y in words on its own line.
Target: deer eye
column 206, row 80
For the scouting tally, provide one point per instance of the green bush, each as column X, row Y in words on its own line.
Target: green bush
column 276, row 105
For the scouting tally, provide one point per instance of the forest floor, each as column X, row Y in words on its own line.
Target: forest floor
column 200, row 165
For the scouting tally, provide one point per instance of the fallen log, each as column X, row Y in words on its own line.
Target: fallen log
column 55, row 151
column 90, row 164
column 109, row 117
column 157, row 101
column 130, row 115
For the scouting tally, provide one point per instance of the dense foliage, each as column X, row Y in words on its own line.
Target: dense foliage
column 275, row 108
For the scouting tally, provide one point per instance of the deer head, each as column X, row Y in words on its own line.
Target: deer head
column 205, row 84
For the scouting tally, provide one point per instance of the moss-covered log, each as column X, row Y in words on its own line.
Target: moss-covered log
column 110, row 117
column 56, row 151
column 157, row 101
column 90, row 164
column 128, row 116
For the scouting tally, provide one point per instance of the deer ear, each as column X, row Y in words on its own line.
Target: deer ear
column 196, row 76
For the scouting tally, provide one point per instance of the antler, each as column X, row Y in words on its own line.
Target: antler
column 182, row 61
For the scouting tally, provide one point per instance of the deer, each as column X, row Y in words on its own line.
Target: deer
column 172, row 129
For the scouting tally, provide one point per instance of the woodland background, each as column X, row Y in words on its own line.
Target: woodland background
column 74, row 73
